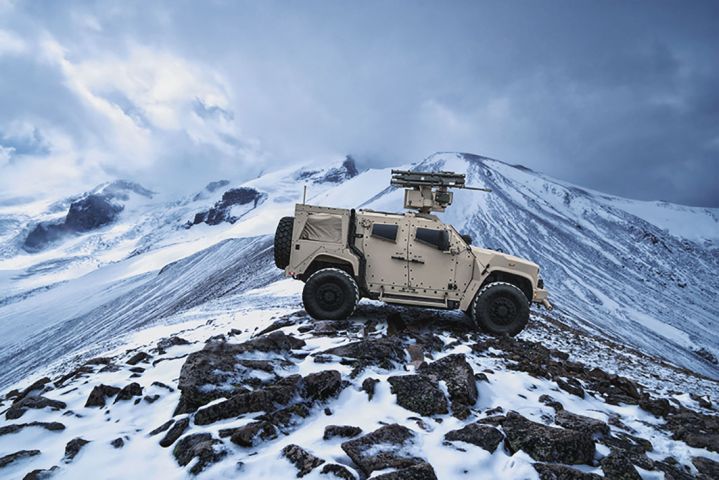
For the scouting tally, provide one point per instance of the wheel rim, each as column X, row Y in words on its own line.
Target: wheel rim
column 502, row 311
column 329, row 296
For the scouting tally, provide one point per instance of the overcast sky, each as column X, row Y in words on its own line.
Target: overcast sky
column 621, row 97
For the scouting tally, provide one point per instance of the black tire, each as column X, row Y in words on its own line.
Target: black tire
column 283, row 242
column 330, row 294
column 501, row 308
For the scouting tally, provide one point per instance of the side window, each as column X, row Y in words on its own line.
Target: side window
column 436, row 238
column 385, row 232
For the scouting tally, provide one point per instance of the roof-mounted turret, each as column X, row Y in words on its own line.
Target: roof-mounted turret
column 429, row 191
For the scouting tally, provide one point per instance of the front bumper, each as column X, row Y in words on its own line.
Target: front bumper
column 541, row 296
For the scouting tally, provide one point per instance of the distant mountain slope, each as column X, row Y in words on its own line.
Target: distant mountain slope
column 634, row 271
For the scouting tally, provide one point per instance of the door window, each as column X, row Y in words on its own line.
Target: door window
column 384, row 231
column 436, row 238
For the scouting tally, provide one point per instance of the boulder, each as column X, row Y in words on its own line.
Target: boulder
column 617, row 466
column 551, row 402
column 128, row 391
column 695, row 429
column 368, row 386
column 549, row 471
column 246, row 435
column 118, row 443
column 41, row 474
column 175, row 432
column 91, row 212
column 548, row 444
column 322, row 385
column 459, row 377
column 421, row 471
column 256, row 401
column 391, row 446
column 73, row 447
column 345, row 431
column 380, row 351
column 659, row 407
column 478, row 434
column 287, row 416
column 138, row 357
column 19, row 407
column 303, row 460
column 216, row 372
column 706, row 467
column 14, row 428
column 14, row 457
column 99, row 394
column 338, row 471
column 419, row 393
column 202, row 446
column 162, row 427
column 573, row 421
column 166, row 343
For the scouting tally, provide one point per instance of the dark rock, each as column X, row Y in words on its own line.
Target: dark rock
column 322, row 385
column 73, row 447
column 245, row 436
column 118, row 443
column 128, row 391
column 421, row 471
column 695, row 429
column 345, row 431
column 339, row 471
column 169, row 342
column 217, row 364
column 368, row 386
column 340, row 174
column 573, row 421
column 137, row 370
column 676, row 471
column 551, row 402
column 390, row 446
column 628, row 443
column 35, row 388
column 618, row 467
column 459, row 377
column 571, row 386
column 201, row 446
column 138, row 357
column 52, row 426
column 151, row 398
column 221, row 211
column 99, row 394
column 44, row 234
column 381, row 351
column 548, row 471
column 14, row 457
column 162, row 427
column 418, row 394
column 548, row 444
column 287, row 416
column 659, row 407
column 706, row 466
column 495, row 420
column 91, row 212
column 703, row 402
column 303, row 460
column 478, row 434
column 41, row 474
column 256, row 401
column 19, row 408
column 175, row 432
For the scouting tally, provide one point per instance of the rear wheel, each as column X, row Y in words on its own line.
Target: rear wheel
column 501, row 308
column 330, row 294
column 283, row 242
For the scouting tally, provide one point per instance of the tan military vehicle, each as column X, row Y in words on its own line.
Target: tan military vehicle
column 409, row 258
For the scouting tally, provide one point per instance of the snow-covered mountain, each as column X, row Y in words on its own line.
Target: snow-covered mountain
column 639, row 272
column 110, row 272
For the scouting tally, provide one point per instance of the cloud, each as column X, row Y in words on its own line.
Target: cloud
column 619, row 98
column 10, row 43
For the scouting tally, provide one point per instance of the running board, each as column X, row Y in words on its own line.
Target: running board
column 410, row 300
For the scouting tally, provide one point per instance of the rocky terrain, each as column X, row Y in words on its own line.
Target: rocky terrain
column 393, row 393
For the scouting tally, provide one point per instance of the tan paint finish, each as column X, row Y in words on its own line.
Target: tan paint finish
column 407, row 271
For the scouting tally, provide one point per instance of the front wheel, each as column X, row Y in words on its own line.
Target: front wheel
column 330, row 294
column 501, row 308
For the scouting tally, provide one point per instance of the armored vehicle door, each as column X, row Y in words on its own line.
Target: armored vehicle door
column 432, row 259
column 384, row 244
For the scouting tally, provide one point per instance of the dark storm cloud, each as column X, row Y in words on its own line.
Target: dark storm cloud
column 617, row 96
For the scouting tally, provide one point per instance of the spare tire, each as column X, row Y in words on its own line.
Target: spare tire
column 283, row 242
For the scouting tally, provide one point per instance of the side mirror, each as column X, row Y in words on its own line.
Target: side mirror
column 467, row 239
